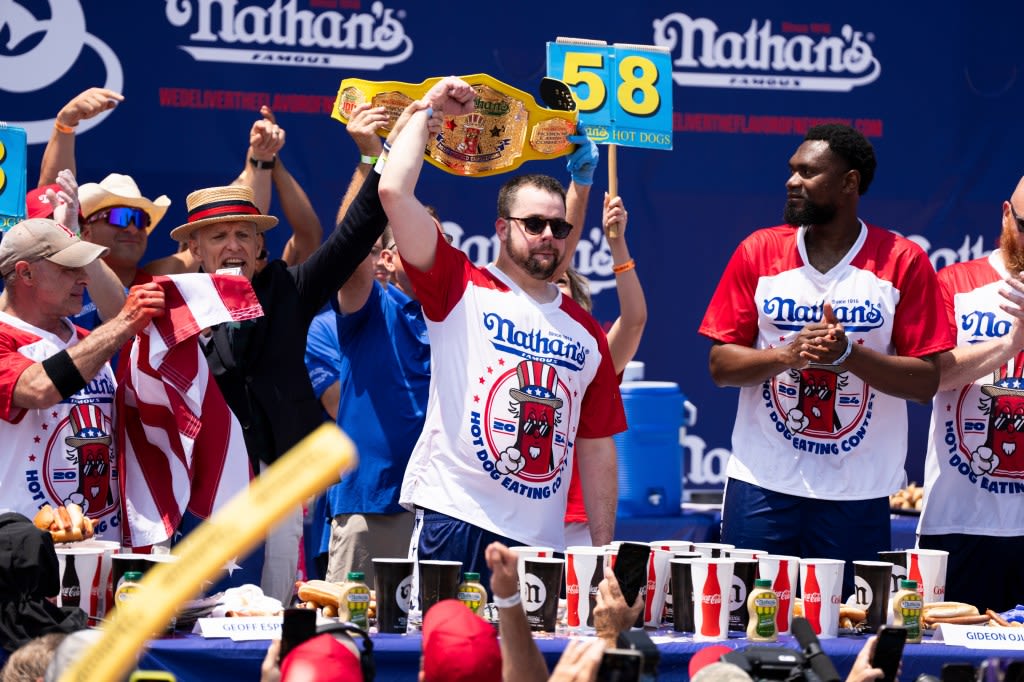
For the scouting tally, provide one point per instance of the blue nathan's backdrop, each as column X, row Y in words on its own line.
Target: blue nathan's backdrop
column 935, row 86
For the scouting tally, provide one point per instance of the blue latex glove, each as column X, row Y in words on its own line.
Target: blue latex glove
column 582, row 162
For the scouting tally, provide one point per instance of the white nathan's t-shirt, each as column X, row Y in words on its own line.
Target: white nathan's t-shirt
column 974, row 472
column 822, row 432
column 64, row 453
column 513, row 384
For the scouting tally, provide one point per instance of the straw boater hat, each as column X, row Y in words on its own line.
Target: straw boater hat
column 120, row 190
column 220, row 204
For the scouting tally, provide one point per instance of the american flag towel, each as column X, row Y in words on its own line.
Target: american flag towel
column 179, row 446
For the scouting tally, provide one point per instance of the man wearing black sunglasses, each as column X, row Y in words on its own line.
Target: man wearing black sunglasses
column 977, row 432
column 522, row 381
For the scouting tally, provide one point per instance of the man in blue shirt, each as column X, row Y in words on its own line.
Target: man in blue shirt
column 383, row 371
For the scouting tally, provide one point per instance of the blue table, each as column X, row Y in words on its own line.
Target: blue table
column 192, row 658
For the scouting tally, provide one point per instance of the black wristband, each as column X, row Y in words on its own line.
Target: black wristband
column 263, row 165
column 64, row 374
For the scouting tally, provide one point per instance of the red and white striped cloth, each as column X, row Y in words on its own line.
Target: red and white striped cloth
column 179, row 446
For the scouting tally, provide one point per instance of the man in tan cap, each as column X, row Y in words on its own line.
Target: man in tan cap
column 48, row 366
column 118, row 217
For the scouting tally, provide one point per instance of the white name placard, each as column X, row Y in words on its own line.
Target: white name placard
column 239, row 629
column 980, row 636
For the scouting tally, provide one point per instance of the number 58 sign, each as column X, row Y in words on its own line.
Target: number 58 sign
column 623, row 92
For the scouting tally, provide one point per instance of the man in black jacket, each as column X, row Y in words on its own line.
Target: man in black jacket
column 259, row 364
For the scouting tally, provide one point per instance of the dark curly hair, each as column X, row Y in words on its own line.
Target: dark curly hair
column 849, row 145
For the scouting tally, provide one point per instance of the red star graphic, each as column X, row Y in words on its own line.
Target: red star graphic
column 53, row 414
column 450, row 124
column 860, row 341
column 575, row 393
column 481, row 380
column 949, row 408
column 31, row 458
column 45, row 426
column 37, row 439
column 501, row 361
column 476, row 399
column 490, row 370
column 782, row 338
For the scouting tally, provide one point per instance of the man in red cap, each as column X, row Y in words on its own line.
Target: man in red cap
column 49, row 366
column 458, row 645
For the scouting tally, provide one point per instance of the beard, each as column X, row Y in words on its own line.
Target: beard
column 529, row 262
column 810, row 214
column 1013, row 252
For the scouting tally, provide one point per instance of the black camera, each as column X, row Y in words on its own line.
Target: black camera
column 768, row 662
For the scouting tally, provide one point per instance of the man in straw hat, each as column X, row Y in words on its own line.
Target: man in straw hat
column 976, row 443
column 50, row 368
column 259, row 365
column 506, row 348
column 119, row 218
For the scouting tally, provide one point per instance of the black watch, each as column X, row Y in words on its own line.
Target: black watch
column 263, row 165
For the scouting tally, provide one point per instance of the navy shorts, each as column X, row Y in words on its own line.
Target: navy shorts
column 756, row 518
column 446, row 538
column 981, row 569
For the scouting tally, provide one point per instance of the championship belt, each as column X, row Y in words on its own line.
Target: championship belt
column 505, row 129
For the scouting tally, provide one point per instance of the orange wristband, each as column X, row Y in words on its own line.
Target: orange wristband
column 61, row 128
column 624, row 267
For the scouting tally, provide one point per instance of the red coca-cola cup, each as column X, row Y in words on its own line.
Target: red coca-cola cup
column 712, row 580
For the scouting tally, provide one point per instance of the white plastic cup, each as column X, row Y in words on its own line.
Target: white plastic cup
column 712, row 581
column 821, row 605
column 784, row 572
column 928, row 568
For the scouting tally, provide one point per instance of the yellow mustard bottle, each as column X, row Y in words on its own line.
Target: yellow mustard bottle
column 354, row 605
column 472, row 593
column 762, row 605
column 127, row 587
column 907, row 608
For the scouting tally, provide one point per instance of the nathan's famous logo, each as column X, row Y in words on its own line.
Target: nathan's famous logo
column 855, row 316
column 799, row 57
column 991, row 433
column 982, row 325
column 40, row 51
column 78, row 461
column 819, row 409
column 366, row 41
column 555, row 349
column 518, row 436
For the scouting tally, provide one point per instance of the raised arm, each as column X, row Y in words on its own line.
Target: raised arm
column 362, row 127
column 582, row 165
column 625, row 334
column 35, row 389
column 414, row 229
column 266, row 139
column 520, row 657
column 967, row 363
column 60, row 150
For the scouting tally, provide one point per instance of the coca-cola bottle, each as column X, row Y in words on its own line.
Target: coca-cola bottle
column 572, row 592
column 711, row 604
column 70, row 587
column 784, row 591
column 812, row 599
column 914, row 573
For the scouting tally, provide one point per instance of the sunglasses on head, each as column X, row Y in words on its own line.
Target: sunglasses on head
column 122, row 216
column 560, row 229
column 1017, row 218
